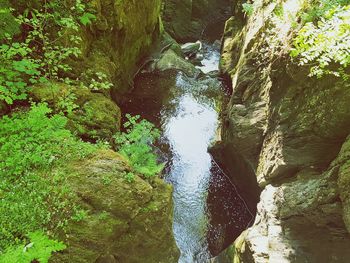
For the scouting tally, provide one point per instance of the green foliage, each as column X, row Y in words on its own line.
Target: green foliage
column 80, row 215
column 248, row 8
column 316, row 9
column 39, row 249
column 325, row 45
column 85, row 17
column 136, row 145
column 34, row 141
column 32, row 197
column 100, row 82
column 129, row 177
column 17, row 68
column 44, row 53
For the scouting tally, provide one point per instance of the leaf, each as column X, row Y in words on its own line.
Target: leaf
column 87, row 18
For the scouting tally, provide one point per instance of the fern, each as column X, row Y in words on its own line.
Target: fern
column 136, row 145
column 39, row 249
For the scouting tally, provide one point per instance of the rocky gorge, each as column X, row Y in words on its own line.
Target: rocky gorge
column 274, row 185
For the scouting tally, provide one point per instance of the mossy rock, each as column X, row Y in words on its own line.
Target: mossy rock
column 97, row 116
column 126, row 222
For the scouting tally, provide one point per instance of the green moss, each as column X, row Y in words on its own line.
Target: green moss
column 96, row 115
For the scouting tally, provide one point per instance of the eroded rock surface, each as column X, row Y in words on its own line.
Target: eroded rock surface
column 290, row 132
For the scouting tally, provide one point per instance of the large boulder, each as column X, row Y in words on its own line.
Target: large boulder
column 124, row 222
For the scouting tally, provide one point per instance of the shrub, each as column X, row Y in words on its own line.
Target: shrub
column 42, row 54
column 136, row 145
column 325, row 44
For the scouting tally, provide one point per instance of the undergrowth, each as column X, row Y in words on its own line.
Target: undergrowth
column 38, row 249
column 35, row 196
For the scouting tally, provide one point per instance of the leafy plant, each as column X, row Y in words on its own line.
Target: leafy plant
column 39, row 249
column 136, row 145
column 129, row 177
column 100, row 82
column 17, row 69
column 34, row 140
column 325, row 46
column 44, row 53
column 248, row 8
column 316, row 9
column 80, row 215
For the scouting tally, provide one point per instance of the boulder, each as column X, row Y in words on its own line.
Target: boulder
column 190, row 49
column 170, row 60
column 125, row 222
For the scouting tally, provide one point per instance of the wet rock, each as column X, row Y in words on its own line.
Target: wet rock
column 170, row 60
column 190, row 49
column 187, row 20
column 126, row 221
column 197, row 59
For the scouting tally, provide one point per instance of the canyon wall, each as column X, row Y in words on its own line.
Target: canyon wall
column 286, row 134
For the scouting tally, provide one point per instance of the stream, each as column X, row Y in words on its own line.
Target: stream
column 208, row 211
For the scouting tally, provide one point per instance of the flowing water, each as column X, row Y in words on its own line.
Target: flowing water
column 208, row 212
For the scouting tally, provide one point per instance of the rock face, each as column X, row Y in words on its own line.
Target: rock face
column 187, row 20
column 125, row 222
column 115, row 42
column 121, row 36
column 288, row 133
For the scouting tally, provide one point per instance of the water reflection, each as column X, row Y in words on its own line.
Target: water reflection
column 189, row 133
column 208, row 212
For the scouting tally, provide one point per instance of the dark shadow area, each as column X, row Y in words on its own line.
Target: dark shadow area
column 239, row 172
column 228, row 213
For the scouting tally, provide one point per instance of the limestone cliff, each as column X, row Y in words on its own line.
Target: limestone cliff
column 288, row 134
